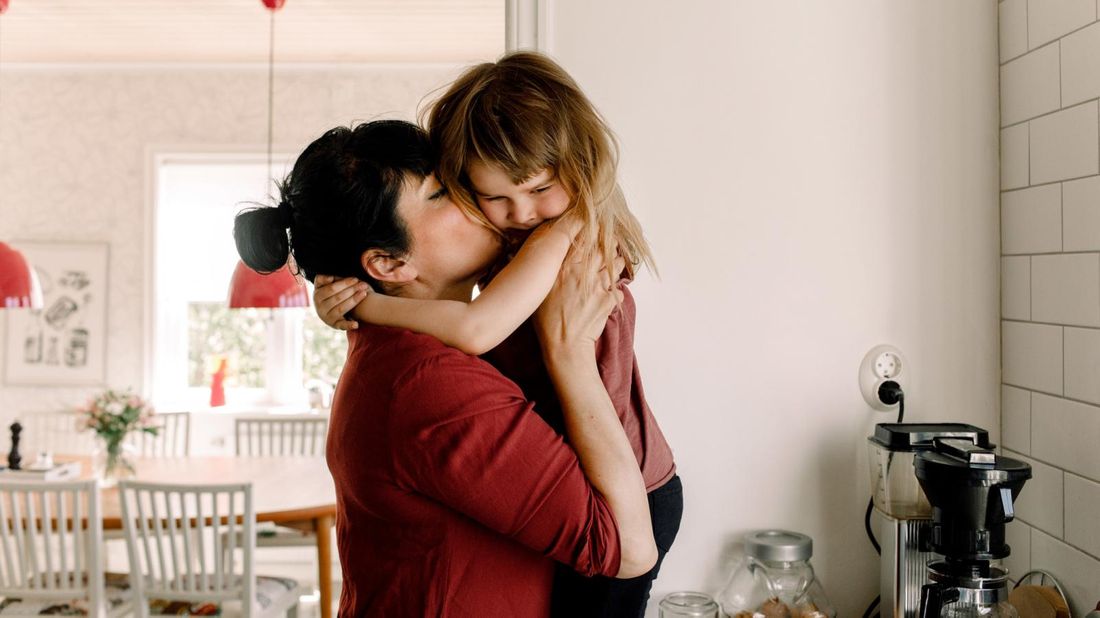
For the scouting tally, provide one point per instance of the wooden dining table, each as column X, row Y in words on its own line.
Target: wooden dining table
column 296, row 492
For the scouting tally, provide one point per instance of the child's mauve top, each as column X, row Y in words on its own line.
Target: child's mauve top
column 452, row 495
column 520, row 358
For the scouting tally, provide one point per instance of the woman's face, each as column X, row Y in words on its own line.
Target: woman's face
column 446, row 245
column 513, row 208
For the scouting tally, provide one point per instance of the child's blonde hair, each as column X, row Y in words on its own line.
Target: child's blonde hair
column 524, row 114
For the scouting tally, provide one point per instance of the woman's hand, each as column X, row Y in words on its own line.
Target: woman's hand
column 333, row 298
column 573, row 317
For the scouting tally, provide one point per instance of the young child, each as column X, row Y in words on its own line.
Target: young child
column 526, row 153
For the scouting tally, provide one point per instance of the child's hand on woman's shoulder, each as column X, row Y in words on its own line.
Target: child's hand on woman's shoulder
column 333, row 298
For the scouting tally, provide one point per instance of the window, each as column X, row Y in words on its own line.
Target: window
column 271, row 355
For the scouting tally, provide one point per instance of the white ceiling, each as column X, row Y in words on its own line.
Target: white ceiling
column 236, row 31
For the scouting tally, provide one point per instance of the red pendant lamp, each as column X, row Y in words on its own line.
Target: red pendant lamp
column 18, row 282
column 249, row 288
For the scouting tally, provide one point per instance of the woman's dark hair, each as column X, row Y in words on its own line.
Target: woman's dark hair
column 339, row 200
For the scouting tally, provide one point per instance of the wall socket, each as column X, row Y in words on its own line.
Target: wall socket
column 881, row 364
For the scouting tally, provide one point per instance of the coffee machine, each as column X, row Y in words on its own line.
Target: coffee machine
column 905, row 517
column 972, row 491
column 901, row 510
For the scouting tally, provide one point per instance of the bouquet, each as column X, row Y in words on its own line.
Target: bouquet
column 113, row 415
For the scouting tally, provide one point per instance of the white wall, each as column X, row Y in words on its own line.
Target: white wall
column 816, row 178
column 1050, row 301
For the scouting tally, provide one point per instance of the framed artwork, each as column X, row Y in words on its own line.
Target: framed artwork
column 65, row 342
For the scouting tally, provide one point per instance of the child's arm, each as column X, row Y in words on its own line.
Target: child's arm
column 479, row 325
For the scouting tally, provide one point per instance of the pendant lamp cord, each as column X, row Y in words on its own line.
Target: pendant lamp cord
column 270, row 92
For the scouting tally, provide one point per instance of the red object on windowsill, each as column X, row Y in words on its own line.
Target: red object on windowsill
column 249, row 288
column 18, row 281
column 217, row 385
column 4, row 5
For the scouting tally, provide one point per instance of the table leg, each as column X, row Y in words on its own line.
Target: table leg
column 322, row 527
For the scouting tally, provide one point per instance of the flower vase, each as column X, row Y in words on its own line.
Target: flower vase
column 113, row 460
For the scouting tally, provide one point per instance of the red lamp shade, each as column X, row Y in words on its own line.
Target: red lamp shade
column 18, row 281
column 249, row 288
column 272, row 5
column 4, row 5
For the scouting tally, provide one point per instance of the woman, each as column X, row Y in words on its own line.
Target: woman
column 451, row 494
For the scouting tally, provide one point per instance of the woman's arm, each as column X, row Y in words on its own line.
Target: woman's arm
column 479, row 325
column 568, row 324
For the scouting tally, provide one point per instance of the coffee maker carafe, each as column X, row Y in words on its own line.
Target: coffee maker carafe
column 971, row 491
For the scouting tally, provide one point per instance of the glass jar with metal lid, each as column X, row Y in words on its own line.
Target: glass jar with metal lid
column 776, row 579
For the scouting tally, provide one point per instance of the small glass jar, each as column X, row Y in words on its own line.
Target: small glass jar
column 776, row 579
column 688, row 605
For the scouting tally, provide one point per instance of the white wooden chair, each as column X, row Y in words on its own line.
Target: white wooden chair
column 50, row 561
column 173, row 437
column 54, row 431
column 174, row 535
column 281, row 435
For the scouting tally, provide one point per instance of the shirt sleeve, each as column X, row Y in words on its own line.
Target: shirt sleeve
column 476, row 445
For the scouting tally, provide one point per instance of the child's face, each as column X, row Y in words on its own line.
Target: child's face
column 516, row 208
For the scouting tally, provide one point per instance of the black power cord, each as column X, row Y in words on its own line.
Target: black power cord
column 889, row 393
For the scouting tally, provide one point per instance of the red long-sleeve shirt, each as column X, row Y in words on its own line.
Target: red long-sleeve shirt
column 452, row 496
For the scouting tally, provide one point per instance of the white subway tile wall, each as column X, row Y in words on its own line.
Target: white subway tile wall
column 1081, row 65
column 1041, row 504
column 1078, row 572
column 1016, row 287
column 1013, row 28
column 1082, row 364
column 1063, row 144
column 1031, row 356
column 1014, row 157
column 1030, row 85
column 1031, row 220
column 1049, row 19
column 1050, row 285
column 1065, row 433
column 1018, row 535
column 1081, row 214
column 1016, row 419
column 1065, row 289
column 1082, row 505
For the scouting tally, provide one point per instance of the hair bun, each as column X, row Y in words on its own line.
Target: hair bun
column 286, row 213
column 261, row 237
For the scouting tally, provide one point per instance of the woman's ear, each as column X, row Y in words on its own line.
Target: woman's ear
column 385, row 267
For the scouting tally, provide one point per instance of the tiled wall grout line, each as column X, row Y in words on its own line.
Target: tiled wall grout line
column 1047, row 184
column 1051, row 112
column 1055, row 466
column 1038, row 323
column 1082, row 252
column 1032, row 51
column 1034, row 527
column 1059, row 37
column 1035, row 391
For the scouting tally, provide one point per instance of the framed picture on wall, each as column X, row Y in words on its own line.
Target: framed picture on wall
column 65, row 342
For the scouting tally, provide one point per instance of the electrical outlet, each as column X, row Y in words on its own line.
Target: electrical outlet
column 887, row 364
column 882, row 363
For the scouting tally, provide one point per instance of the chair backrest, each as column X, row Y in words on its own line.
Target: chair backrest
column 279, row 435
column 50, row 538
column 55, row 432
column 173, row 437
column 179, row 536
